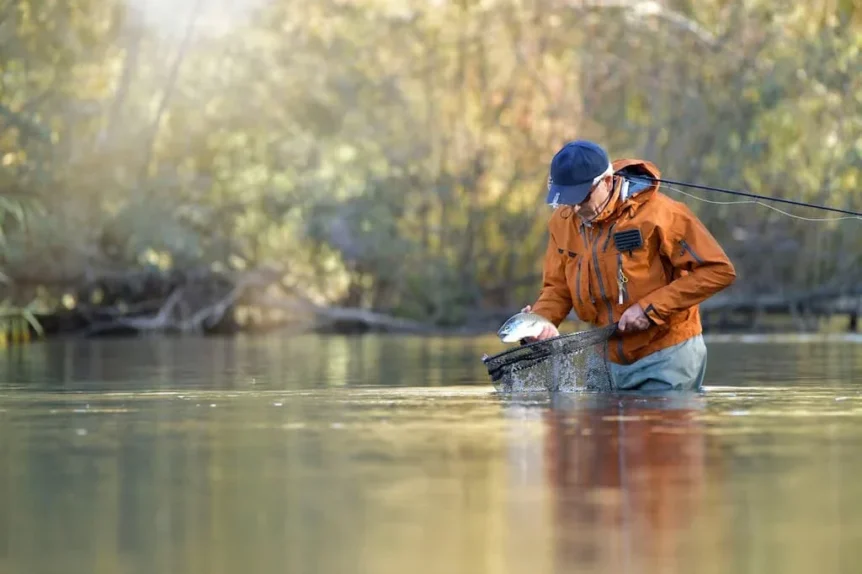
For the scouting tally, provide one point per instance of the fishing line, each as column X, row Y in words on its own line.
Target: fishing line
column 853, row 214
column 757, row 202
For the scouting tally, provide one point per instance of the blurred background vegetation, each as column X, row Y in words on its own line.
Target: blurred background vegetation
column 390, row 156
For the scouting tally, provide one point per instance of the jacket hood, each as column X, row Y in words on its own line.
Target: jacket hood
column 639, row 192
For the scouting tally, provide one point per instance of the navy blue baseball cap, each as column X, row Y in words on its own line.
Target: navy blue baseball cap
column 574, row 171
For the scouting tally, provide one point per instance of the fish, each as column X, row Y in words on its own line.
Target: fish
column 522, row 325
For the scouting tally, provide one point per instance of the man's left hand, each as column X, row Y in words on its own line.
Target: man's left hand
column 633, row 319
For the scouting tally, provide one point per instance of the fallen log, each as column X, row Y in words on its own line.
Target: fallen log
column 782, row 303
column 200, row 302
column 343, row 319
column 804, row 308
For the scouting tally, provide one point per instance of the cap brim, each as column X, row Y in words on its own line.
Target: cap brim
column 568, row 194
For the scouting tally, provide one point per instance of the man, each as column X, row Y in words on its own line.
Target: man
column 621, row 251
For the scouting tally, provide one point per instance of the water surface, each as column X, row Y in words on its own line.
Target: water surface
column 383, row 454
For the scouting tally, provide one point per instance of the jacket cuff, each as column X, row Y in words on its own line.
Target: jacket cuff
column 651, row 312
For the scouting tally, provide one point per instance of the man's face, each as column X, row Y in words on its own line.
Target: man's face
column 595, row 200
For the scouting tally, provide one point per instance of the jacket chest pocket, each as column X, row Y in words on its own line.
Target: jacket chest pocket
column 630, row 263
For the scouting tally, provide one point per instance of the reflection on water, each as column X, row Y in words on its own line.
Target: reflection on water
column 387, row 454
column 627, row 477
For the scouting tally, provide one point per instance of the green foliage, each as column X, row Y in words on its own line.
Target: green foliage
column 393, row 155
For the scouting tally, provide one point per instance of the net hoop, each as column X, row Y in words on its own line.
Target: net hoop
column 508, row 365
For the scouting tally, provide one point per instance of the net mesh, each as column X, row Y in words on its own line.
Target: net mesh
column 564, row 363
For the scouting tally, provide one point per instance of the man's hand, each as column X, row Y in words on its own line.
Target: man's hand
column 547, row 332
column 633, row 319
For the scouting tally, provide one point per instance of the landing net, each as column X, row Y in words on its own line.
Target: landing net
column 565, row 363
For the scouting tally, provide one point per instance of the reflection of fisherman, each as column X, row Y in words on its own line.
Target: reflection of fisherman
column 627, row 481
column 619, row 250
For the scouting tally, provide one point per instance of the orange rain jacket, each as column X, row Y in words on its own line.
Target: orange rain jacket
column 678, row 265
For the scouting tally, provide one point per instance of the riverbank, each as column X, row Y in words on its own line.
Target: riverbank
column 205, row 302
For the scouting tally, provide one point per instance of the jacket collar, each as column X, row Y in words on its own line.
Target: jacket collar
column 623, row 169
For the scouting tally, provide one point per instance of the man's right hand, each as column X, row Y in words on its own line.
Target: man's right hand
column 547, row 332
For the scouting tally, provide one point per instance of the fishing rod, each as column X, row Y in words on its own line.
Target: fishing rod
column 752, row 195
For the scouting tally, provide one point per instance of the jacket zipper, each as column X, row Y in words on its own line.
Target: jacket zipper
column 588, row 243
column 687, row 247
column 599, row 277
column 578, row 281
column 608, row 239
column 595, row 244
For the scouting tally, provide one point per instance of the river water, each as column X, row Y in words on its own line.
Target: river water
column 379, row 454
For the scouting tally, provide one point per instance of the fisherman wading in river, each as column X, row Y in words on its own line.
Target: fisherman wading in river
column 621, row 251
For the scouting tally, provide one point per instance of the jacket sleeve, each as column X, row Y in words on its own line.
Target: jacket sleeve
column 555, row 299
column 689, row 247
